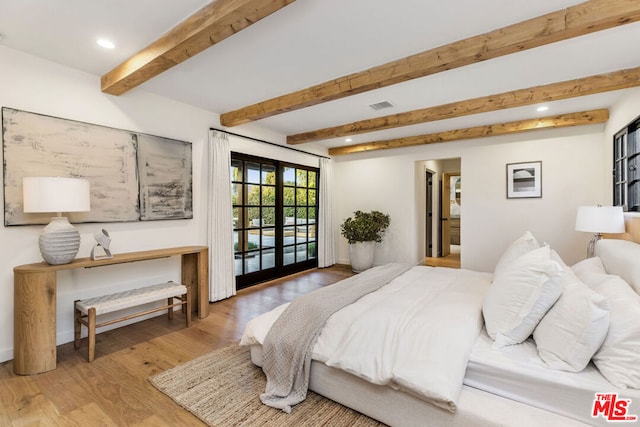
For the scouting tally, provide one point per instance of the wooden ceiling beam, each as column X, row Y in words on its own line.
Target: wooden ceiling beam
column 210, row 25
column 617, row 80
column 558, row 121
column 578, row 20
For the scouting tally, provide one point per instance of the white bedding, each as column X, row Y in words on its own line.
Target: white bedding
column 518, row 373
column 430, row 322
column 288, row 346
column 425, row 361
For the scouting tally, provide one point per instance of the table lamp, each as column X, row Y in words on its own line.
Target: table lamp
column 598, row 220
column 59, row 241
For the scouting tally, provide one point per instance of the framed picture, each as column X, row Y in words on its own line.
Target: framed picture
column 133, row 176
column 524, row 180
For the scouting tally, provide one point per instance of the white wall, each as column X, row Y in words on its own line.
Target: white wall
column 572, row 173
column 32, row 84
column 621, row 114
column 386, row 180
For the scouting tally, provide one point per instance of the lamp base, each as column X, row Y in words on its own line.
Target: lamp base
column 59, row 241
column 591, row 247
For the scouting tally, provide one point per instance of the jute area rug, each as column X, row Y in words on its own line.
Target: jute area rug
column 222, row 388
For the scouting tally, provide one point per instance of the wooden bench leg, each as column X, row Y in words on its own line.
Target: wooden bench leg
column 77, row 326
column 92, row 334
column 170, row 309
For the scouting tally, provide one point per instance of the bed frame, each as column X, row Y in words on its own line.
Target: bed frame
column 396, row 408
column 632, row 229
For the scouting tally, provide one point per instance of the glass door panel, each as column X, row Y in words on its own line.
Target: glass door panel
column 300, row 206
column 274, row 212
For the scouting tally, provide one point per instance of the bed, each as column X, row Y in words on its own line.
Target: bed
column 507, row 354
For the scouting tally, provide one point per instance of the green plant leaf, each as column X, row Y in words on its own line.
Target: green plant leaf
column 365, row 226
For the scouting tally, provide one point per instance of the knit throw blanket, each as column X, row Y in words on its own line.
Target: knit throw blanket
column 288, row 346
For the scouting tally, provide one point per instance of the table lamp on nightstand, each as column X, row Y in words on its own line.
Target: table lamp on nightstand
column 598, row 220
column 59, row 241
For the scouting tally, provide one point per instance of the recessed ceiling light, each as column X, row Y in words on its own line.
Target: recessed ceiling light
column 348, row 140
column 107, row 44
column 542, row 108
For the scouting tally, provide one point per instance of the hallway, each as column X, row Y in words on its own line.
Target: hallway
column 451, row 261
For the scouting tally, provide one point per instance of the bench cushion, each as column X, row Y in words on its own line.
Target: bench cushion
column 121, row 300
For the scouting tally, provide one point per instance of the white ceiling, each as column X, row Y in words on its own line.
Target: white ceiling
column 312, row 41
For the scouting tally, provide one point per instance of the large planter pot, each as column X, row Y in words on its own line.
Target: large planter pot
column 361, row 255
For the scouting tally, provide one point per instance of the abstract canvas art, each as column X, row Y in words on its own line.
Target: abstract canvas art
column 133, row 176
column 165, row 178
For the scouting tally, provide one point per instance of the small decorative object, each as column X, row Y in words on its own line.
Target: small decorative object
column 103, row 241
column 363, row 231
column 59, row 241
column 524, row 180
column 599, row 219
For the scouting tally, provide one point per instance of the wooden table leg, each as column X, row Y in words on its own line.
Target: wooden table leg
column 203, row 283
column 34, row 322
column 195, row 274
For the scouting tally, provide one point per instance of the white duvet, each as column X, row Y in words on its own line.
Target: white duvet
column 415, row 333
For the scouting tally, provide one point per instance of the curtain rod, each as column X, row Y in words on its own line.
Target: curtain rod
column 270, row 143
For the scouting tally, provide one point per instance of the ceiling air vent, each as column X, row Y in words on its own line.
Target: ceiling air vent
column 381, row 105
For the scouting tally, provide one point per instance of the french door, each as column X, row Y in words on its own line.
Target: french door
column 275, row 207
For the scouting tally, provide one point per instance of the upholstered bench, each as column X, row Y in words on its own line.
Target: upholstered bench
column 86, row 311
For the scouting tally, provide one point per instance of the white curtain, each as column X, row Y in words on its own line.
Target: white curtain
column 326, row 251
column 222, row 279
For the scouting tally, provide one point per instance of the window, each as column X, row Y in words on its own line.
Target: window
column 626, row 164
column 619, row 169
column 274, row 218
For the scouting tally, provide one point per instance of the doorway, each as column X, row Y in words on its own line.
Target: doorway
column 443, row 213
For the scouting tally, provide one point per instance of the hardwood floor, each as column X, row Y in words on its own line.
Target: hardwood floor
column 113, row 390
column 450, row 261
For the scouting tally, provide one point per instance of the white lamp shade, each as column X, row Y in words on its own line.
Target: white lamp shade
column 55, row 194
column 600, row 219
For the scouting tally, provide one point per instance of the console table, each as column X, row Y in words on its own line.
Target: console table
column 34, row 300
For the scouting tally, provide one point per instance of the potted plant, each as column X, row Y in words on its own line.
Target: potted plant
column 363, row 231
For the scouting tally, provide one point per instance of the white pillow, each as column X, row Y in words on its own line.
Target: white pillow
column 621, row 258
column 522, row 245
column 588, row 267
column 619, row 357
column 573, row 329
column 520, row 295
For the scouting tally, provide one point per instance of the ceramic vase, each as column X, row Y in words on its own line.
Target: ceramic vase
column 361, row 255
